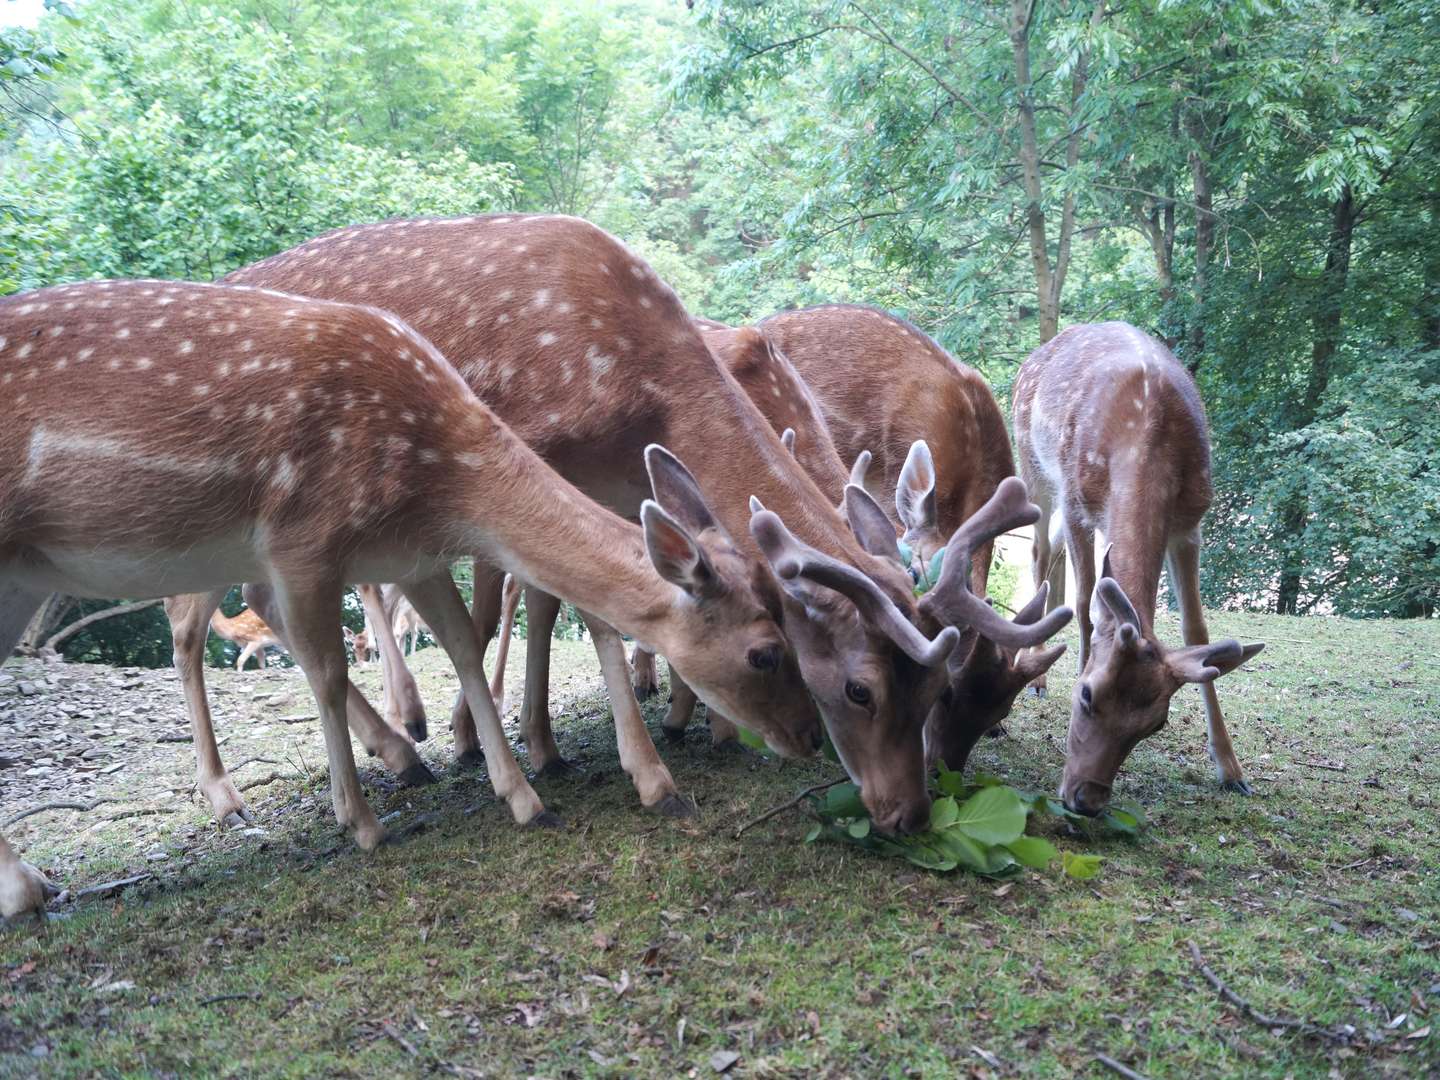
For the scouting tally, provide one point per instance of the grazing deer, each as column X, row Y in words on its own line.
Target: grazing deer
column 1112, row 437
column 117, row 479
column 248, row 631
column 360, row 645
column 402, row 706
column 587, row 354
column 406, row 625
column 940, row 445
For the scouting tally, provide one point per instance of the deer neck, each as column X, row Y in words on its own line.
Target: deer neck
column 1137, row 534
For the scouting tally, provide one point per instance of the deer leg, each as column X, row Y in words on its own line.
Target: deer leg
column 536, row 731
column 1184, row 560
column 189, row 627
column 22, row 887
column 1080, row 543
column 312, row 635
column 439, row 604
column 403, row 706
column 510, row 602
column 248, row 651
column 379, row 739
column 723, row 734
column 1047, row 564
column 484, row 614
column 638, row 756
column 645, row 676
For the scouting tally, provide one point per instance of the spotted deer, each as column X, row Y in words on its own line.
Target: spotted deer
column 940, row 450
column 1112, row 437
column 118, row 479
column 360, row 645
column 246, row 630
column 576, row 343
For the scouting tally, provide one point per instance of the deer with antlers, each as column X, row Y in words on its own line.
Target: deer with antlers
column 576, row 343
column 845, row 379
column 246, row 630
column 1112, row 437
column 122, row 389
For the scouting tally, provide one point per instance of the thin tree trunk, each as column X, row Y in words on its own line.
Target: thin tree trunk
column 1204, row 240
column 55, row 607
column 1326, row 322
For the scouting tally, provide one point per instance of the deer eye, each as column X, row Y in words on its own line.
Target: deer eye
column 1087, row 701
column 859, row 693
column 765, row 659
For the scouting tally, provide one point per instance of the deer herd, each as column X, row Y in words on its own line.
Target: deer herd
column 524, row 392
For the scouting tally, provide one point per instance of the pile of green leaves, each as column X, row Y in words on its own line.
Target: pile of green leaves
column 977, row 825
column 925, row 576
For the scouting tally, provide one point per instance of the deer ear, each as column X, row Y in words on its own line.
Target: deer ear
column 915, row 491
column 869, row 524
column 1206, row 663
column 676, row 555
column 676, row 490
column 860, row 468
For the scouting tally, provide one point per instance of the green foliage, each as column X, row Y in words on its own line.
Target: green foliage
column 978, row 826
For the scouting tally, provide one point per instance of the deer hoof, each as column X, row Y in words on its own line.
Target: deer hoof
column 1037, row 691
column 674, row 806
column 556, row 769
column 996, row 732
column 471, row 759
column 1238, row 786
column 236, row 819
column 546, row 819
column 417, row 775
column 417, row 729
column 673, row 735
column 645, row 692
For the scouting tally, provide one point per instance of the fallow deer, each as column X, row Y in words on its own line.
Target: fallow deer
column 246, row 630
column 361, row 646
column 117, row 479
column 940, row 446
column 406, row 625
column 574, row 341
column 1112, row 437
column 860, row 356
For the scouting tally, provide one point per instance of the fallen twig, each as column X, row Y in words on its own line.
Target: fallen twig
column 405, row 1044
column 268, row 780
column 1324, row 765
column 109, row 886
column 1250, row 1012
column 299, row 719
column 1115, row 1067
column 145, row 811
column 253, row 761
column 777, row 810
column 55, row 806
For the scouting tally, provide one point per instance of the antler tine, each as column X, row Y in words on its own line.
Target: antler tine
column 1035, row 607
column 791, row 558
column 951, row 599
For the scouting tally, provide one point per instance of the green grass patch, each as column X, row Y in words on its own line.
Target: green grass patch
column 631, row 945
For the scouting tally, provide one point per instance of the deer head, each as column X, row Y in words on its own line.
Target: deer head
column 1124, row 693
column 984, row 682
column 732, row 651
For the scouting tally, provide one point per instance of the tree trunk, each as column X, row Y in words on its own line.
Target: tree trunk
column 46, row 618
column 1204, row 241
column 1326, row 322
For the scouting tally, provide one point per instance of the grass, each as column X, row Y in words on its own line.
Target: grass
column 630, row 945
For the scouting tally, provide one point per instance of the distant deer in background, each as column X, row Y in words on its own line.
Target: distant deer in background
column 1113, row 437
column 248, row 631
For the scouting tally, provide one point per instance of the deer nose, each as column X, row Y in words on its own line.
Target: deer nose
column 904, row 819
column 1088, row 798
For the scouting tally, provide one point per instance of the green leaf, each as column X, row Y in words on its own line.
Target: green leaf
column 827, row 748
column 936, row 561
column 843, row 801
column 1080, row 867
column 950, row 782
column 985, row 779
column 906, row 555
column 993, row 815
column 814, row 833
column 860, row 828
column 1033, row 851
column 943, row 813
column 750, row 739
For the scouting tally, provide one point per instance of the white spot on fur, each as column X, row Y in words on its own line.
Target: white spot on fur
column 547, row 338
